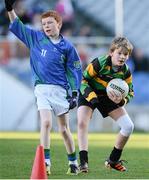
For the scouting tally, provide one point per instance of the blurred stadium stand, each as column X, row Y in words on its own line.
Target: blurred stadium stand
column 141, row 88
column 136, row 15
column 91, row 34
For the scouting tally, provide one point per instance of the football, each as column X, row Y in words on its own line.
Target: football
column 118, row 86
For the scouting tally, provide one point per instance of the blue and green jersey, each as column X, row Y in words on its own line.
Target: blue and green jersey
column 57, row 64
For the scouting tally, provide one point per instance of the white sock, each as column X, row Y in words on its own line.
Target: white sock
column 47, row 161
column 75, row 162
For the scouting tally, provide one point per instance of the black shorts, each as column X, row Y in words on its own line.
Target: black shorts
column 105, row 105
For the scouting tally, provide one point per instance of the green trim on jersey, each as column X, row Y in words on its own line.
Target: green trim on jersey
column 28, row 37
column 70, row 78
column 97, row 75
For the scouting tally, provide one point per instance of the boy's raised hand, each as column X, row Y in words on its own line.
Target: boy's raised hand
column 9, row 4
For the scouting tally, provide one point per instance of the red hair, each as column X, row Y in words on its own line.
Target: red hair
column 53, row 14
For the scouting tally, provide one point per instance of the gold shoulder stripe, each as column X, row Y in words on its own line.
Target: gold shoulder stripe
column 91, row 70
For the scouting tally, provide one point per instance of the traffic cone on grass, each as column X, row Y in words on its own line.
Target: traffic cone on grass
column 39, row 168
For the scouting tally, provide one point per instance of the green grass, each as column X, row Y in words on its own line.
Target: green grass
column 17, row 151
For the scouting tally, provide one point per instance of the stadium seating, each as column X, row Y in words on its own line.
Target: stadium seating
column 135, row 18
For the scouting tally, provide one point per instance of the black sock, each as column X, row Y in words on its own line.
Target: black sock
column 115, row 154
column 83, row 157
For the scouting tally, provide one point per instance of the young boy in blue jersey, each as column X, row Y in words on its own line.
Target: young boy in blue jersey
column 55, row 67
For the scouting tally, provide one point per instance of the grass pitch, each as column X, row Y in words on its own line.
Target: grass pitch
column 17, row 152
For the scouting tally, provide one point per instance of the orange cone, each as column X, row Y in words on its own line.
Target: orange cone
column 39, row 168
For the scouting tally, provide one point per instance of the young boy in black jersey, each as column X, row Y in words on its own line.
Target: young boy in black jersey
column 93, row 95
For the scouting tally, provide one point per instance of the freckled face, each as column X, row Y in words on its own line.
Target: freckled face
column 119, row 57
column 50, row 27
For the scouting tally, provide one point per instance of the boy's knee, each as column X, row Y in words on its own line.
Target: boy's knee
column 126, row 125
column 46, row 123
column 63, row 130
column 128, row 129
column 82, row 124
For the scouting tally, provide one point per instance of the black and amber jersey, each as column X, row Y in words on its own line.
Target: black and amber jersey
column 97, row 75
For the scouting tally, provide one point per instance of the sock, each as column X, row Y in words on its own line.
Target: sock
column 115, row 154
column 72, row 158
column 47, row 156
column 83, row 156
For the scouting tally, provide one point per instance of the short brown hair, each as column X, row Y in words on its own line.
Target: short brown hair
column 53, row 14
column 121, row 42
